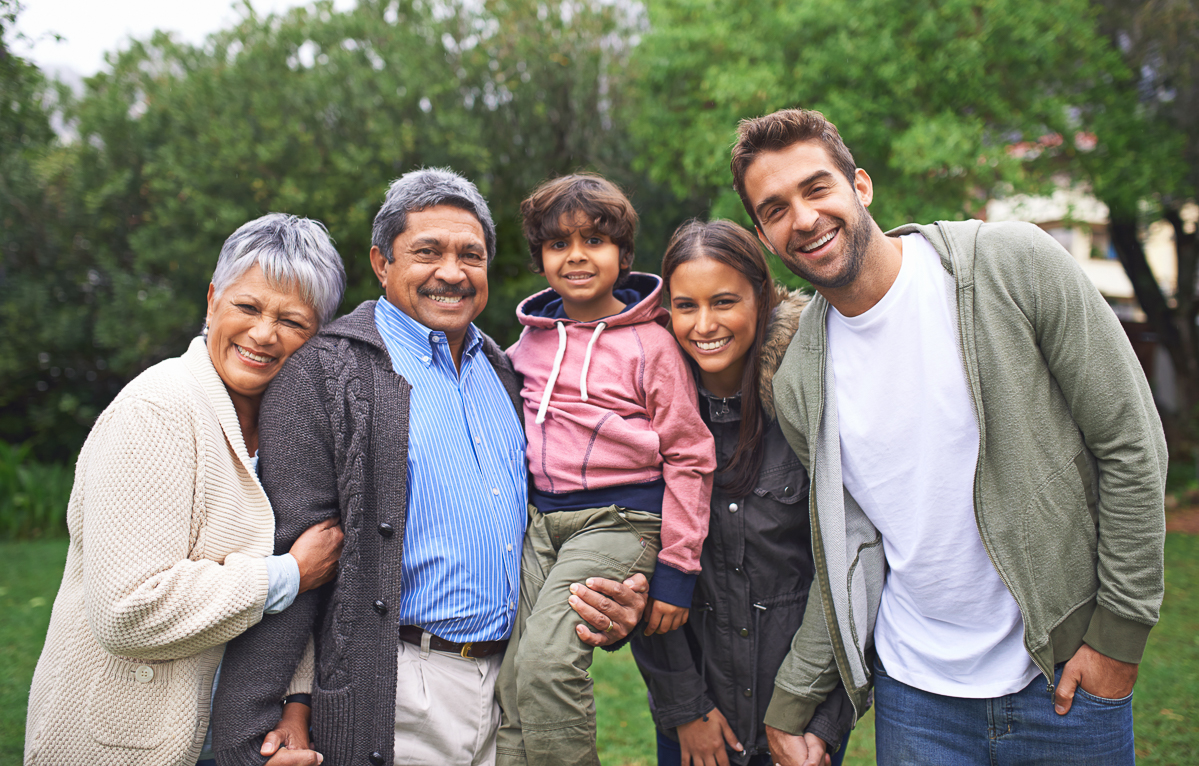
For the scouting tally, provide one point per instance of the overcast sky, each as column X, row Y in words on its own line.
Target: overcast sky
column 91, row 28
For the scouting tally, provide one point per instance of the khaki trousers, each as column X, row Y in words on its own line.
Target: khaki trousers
column 544, row 689
column 446, row 711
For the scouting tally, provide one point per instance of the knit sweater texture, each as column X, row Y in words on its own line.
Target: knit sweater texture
column 169, row 528
column 334, row 435
column 621, row 411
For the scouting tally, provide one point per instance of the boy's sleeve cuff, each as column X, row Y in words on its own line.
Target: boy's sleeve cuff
column 672, row 585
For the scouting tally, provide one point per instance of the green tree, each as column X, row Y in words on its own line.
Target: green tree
column 1147, row 168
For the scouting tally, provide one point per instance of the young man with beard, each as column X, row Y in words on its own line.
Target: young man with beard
column 988, row 474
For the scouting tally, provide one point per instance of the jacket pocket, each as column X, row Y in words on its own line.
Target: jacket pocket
column 787, row 484
column 133, row 704
column 333, row 724
column 1061, row 538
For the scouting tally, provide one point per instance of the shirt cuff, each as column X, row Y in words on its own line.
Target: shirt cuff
column 283, row 582
column 672, row 585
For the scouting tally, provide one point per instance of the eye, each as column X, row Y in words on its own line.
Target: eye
column 293, row 324
column 595, row 240
column 557, row 244
column 248, row 308
column 472, row 256
column 683, row 305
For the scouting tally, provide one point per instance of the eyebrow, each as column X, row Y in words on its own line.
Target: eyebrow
column 817, row 176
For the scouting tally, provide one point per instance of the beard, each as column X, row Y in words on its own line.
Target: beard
column 857, row 240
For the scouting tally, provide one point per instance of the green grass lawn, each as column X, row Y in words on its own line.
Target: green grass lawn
column 1166, row 703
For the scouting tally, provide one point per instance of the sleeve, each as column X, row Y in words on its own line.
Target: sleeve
column 833, row 720
column 144, row 597
column 299, row 474
column 301, row 680
column 283, row 575
column 676, row 688
column 1092, row 360
column 807, row 676
column 688, row 462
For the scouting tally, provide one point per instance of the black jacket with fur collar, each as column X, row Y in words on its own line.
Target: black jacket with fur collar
column 751, row 594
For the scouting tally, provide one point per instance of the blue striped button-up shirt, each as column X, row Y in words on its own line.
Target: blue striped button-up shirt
column 467, row 486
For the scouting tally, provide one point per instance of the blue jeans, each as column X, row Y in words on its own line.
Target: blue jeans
column 917, row 727
column 669, row 753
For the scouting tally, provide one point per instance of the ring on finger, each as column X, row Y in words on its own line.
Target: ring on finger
column 611, row 625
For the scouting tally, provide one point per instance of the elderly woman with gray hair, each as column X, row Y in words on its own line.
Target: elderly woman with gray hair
column 171, row 532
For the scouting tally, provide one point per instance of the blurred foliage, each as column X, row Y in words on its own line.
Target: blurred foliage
column 33, row 495
column 110, row 233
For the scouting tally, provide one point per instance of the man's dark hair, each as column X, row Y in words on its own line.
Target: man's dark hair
column 777, row 131
column 588, row 198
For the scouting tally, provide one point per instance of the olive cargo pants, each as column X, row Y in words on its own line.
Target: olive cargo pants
column 544, row 690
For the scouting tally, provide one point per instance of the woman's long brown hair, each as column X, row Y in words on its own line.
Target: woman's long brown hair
column 730, row 244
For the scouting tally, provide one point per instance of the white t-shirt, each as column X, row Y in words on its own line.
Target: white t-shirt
column 909, row 445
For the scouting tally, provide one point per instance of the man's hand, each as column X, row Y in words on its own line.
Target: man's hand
column 1097, row 674
column 611, row 608
column 792, row 750
column 288, row 743
column 664, row 617
column 316, row 551
column 702, row 740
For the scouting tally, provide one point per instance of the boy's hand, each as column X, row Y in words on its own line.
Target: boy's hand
column 662, row 617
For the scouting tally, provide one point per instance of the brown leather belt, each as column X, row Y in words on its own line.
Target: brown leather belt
column 470, row 650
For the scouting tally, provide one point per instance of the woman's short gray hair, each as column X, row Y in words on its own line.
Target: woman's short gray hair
column 422, row 189
column 291, row 251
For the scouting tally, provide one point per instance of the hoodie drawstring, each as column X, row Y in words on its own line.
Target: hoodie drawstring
column 549, row 386
column 587, row 359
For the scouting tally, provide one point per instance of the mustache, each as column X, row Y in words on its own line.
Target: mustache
column 447, row 291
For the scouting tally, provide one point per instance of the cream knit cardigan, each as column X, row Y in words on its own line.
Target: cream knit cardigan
column 169, row 529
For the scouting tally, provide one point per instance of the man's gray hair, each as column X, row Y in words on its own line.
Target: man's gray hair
column 293, row 253
column 422, row 189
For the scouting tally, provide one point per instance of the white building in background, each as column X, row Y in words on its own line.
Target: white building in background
column 1080, row 223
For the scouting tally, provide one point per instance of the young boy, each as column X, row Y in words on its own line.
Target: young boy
column 621, row 461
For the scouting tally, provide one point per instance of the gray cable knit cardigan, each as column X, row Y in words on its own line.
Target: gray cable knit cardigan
column 334, row 434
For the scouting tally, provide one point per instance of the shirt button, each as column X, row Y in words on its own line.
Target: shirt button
column 744, row 632
column 509, row 546
column 380, row 607
column 748, row 692
column 494, row 491
column 736, row 570
column 377, row 758
column 425, row 359
column 733, row 507
column 144, row 674
column 386, row 529
column 478, row 440
column 787, row 492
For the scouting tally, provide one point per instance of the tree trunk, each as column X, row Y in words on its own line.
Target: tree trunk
column 1173, row 322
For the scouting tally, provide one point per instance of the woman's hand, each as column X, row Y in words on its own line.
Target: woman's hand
column 611, row 608
column 702, row 740
column 317, row 551
column 664, row 617
column 288, row 743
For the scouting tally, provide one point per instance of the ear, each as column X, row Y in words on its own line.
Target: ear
column 627, row 258
column 763, row 240
column 379, row 264
column 211, row 297
column 863, row 186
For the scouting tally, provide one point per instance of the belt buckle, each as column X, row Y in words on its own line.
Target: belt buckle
column 465, row 652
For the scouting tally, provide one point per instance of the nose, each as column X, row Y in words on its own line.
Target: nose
column 805, row 216
column 574, row 253
column 449, row 270
column 262, row 332
column 705, row 322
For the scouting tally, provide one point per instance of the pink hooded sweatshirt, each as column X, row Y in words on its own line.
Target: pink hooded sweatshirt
column 612, row 417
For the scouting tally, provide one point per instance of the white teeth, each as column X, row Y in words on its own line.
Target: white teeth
column 578, row 277
column 712, row 345
column 447, row 298
column 255, row 357
column 819, row 242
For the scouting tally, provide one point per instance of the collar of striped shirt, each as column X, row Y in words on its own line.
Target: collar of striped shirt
column 467, row 486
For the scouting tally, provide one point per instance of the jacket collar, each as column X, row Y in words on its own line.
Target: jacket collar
column 199, row 363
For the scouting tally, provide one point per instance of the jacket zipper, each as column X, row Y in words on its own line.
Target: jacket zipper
column 971, row 375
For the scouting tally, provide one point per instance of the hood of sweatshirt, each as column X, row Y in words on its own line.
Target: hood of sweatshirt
column 641, row 294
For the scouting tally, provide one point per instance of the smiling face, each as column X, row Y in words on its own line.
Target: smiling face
column 714, row 315
column 583, row 265
column 253, row 327
column 810, row 214
column 439, row 275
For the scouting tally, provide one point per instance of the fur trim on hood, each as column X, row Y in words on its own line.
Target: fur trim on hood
column 784, row 321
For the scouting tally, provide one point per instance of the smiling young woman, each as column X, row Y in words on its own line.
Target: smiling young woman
column 709, row 685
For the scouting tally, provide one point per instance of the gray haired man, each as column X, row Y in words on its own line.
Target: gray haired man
column 402, row 418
